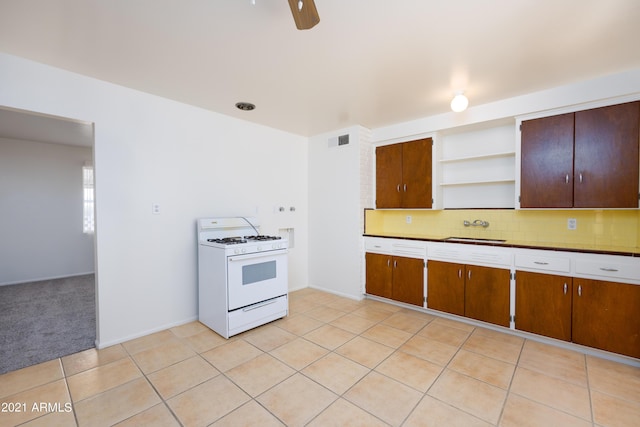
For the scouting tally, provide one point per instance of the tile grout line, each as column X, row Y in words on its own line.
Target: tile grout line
column 513, row 376
column 66, row 383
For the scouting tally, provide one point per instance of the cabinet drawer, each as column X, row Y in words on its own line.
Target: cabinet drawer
column 609, row 268
column 375, row 244
column 476, row 254
column 408, row 248
column 546, row 263
column 490, row 257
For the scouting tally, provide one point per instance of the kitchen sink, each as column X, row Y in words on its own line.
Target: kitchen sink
column 473, row 240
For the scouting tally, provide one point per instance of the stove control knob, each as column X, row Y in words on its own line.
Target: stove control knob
column 236, row 251
column 259, row 248
column 244, row 250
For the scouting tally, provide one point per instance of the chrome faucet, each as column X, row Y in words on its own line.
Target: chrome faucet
column 476, row 223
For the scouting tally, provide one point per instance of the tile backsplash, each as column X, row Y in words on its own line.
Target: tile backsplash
column 598, row 229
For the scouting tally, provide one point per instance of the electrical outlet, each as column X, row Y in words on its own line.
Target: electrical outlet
column 408, row 219
column 572, row 224
column 155, row 208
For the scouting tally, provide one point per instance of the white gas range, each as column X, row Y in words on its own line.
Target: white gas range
column 242, row 275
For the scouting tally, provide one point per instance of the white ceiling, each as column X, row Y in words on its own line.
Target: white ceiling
column 368, row 62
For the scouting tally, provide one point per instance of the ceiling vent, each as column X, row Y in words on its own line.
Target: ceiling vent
column 337, row 141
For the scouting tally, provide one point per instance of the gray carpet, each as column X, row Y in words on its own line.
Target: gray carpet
column 42, row 321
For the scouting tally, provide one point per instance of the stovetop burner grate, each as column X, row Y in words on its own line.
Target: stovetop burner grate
column 261, row 238
column 228, row 240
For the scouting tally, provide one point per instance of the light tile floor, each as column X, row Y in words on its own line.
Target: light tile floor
column 331, row 362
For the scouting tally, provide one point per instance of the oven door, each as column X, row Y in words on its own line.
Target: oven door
column 256, row 277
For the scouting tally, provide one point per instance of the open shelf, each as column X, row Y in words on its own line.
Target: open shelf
column 491, row 181
column 479, row 157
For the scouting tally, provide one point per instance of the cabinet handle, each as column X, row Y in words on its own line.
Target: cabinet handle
column 469, row 275
column 398, row 188
column 566, row 179
column 608, row 269
column 540, row 263
column 565, row 288
column 580, row 178
column 405, row 188
column 388, row 263
column 395, row 264
column 459, row 273
column 579, row 290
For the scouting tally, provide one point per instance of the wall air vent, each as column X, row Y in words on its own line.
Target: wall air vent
column 337, row 141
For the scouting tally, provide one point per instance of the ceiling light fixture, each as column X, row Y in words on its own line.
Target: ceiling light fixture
column 245, row 106
column 459, row 102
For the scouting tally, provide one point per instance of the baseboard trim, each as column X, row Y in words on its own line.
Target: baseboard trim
column 42, row 279
column 100, row 344
column 340, row 294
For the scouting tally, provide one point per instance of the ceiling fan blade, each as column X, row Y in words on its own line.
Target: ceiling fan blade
column 307, row 17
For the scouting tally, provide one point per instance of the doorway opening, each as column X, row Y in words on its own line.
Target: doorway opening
column 48, row 287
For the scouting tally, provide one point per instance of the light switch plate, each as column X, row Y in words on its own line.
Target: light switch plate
column 408, row 219
column 572, row 224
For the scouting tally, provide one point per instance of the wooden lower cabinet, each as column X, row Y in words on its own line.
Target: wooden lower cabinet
column 594, row 313
column 486, row 294
column 445, row 281
column 543, row 304
column 606, row 316
column 395, row 277
column 481, row 293
column 378, row 274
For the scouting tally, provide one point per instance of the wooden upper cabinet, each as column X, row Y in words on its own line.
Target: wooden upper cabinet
column 587, row 159
column 606, row 157
column 416, row 173
column 403, row 175
column 388, row 176
column 547, row 162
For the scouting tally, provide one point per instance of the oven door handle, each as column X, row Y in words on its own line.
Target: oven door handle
column 276, row 252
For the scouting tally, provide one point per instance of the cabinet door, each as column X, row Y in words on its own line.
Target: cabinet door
column 606, row 157
column 543, row 304
column 547, row 162
column 445, row 287
column 605, row 316
column 416, row 173
column 389, row 176
column 486, row 294
column 408, row 280
column 378, row 274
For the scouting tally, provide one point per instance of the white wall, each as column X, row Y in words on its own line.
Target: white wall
column 606, row 89
column 336, row 212
column 188, row 160
column 41, row 211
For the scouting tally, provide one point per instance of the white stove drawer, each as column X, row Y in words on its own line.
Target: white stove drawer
column 258, row 314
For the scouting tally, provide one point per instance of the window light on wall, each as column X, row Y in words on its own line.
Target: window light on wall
column 88, row 217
